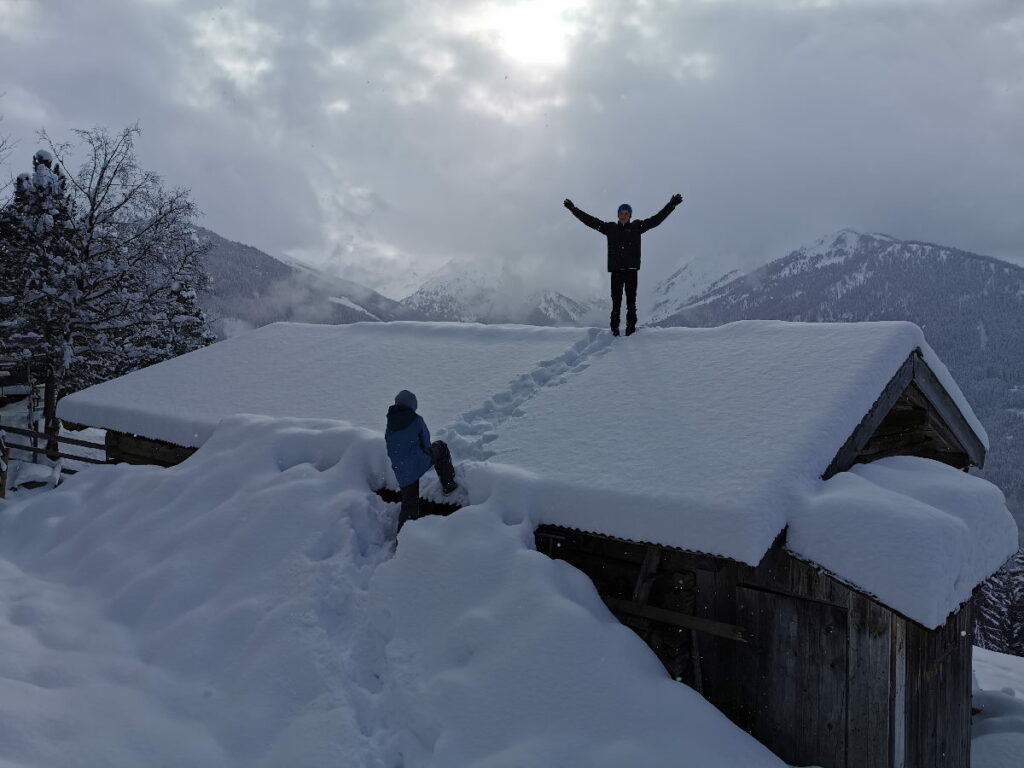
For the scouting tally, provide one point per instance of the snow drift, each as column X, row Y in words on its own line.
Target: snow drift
column 245, row 608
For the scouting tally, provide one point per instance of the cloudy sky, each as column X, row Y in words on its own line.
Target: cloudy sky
column 382, row 137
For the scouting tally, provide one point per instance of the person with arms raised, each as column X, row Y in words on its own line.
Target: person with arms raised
column 624, row 253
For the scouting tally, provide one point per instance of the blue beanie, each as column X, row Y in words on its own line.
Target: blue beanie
column 626, row 207
column 406, row 398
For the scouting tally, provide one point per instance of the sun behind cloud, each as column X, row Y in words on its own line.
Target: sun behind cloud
column 536, row 34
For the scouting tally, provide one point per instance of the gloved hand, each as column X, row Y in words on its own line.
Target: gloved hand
column 676, row 199
column 568, row 203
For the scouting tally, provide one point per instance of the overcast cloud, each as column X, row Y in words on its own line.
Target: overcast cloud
column 374, row 137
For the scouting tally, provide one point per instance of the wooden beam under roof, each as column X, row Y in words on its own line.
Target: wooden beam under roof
column 913, row 416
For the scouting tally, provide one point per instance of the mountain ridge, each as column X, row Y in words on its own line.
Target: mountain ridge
column 250, row 288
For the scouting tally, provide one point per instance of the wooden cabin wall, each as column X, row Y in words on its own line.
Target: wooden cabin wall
column 938, row 693
column 822, row 674
column 133, row 449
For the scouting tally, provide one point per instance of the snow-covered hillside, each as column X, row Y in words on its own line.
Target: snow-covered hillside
column 249, row 289
column 682, row 288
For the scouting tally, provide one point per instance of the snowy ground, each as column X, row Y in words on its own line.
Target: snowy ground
column 246, row 609
column 998, row 737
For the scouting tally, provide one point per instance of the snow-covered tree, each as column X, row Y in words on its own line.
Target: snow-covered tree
column 36, row 263
column 999, row 620
column 101, row 267
column 5, row 145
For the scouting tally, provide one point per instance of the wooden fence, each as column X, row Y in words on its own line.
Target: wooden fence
column 33, row 446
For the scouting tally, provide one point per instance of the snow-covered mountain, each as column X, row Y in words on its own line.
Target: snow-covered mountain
column 971, row 308
column 682, row 288
column 250, row 288
column 485, row 291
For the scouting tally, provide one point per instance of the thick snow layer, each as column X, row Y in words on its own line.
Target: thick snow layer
column 997, row 738
column 917, row 534
column 699, row 438
column 349, row 372
column 246, row 608
column 707, row 436
column 702, row 438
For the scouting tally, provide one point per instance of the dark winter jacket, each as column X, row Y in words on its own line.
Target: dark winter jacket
column 623, row 239
column 408, row 442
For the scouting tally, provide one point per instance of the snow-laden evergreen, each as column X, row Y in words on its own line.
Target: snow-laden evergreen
column 100, row 269
column 999, row 619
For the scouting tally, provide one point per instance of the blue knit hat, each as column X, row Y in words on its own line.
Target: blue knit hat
column 626, row 207
column 406, row 398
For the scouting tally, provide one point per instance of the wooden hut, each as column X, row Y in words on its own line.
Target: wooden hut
column 665, row 467
column 816, row 669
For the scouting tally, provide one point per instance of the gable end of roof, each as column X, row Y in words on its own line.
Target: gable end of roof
column 913, row 416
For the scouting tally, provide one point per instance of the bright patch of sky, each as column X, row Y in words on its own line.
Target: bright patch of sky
column 17, row 16
column 531, row 33
column 237, row 45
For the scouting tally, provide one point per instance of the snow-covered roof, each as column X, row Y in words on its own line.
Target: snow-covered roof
column 917, row 534
column 715, row 433
column 711, row 440
column 345, row 372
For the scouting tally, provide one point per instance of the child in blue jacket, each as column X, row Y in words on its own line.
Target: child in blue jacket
column 412, row 454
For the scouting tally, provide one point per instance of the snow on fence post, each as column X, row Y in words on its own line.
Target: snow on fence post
column 5, row 461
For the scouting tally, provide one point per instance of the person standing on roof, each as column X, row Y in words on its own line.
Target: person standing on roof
column 412, row 454
column 624, row 253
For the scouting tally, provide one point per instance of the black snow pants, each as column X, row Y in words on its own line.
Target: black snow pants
column 442, row 459
column 624, row 278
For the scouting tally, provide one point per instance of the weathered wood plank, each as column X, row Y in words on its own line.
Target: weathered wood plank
column 938, row 693
column 952, row 418
column 723, row 681
column 676, row 591
column 5, row 463
column 898, row 693
column 717, row 628
column 55, row 454
column 796, row 669
column 904, row 416
column 869, row 726
column 781, row 572
column 847, row 455
column 645, row 576
column 427, row 507
column 42, row 436
column 133, row 449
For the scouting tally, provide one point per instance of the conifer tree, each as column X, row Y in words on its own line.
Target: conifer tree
column 999, row 614
column 91, row 262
